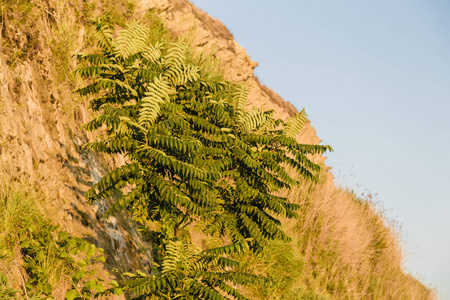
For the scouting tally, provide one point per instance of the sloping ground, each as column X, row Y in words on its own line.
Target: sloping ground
column 342, row 247
column 345, row 248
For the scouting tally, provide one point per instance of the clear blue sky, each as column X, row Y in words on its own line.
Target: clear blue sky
column 374, row 77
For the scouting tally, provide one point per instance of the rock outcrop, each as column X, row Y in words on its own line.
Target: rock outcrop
column 41, row 144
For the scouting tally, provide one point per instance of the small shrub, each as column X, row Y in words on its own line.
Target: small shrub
column 51, row 257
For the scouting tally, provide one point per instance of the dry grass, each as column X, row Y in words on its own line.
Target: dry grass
column 350, row 250
column 342, row 248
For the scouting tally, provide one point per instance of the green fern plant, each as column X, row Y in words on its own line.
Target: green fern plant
column 256, row 151
column 194, row 152
column 187, row 272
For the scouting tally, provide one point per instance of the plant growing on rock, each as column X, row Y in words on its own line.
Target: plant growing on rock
column 49, row 257
column 194, row 153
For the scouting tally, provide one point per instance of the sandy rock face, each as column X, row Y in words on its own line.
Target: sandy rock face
column 41, row 144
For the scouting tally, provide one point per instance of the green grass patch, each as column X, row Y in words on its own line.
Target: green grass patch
column 52, row 258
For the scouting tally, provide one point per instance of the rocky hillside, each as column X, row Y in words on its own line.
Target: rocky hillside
column 342, row 247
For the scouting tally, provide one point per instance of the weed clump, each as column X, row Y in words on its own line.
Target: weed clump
column 54, row 262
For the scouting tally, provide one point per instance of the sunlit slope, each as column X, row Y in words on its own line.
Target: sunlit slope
column 342, row 247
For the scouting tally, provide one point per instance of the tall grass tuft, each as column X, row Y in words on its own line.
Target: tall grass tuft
column 343, row 247
column 36, row 258
column 19, row 207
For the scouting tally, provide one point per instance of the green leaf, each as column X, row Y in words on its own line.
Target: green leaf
column 82, row 263
column 90, row 285
column 47, row 289
column 113, row 283
column 25, row 244
column 71, row 244
column 40, row 256
column 100, row 288
column 91, row 250
column 71, row 294
column 84, row 246
column 128, row 274
column 78, row 275
column 63, row 235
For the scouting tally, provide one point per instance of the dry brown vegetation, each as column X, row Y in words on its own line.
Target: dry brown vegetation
column 349, row 249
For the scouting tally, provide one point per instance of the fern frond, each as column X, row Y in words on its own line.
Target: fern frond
column 102, row 189
column 113, row 146
column 157, row 93
column 232, row 292
column 92, row 59
column 132, row 40
column 292, row 128
column 175, row 143
column 176, row 54
column 90, row 89
column 173, row 195
column 104, row 38
column 174, row 255
column 239, row 100
column 249, row 122
column 228, row 249
column 181, row 74
column 181, row 168
column 151, row 54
